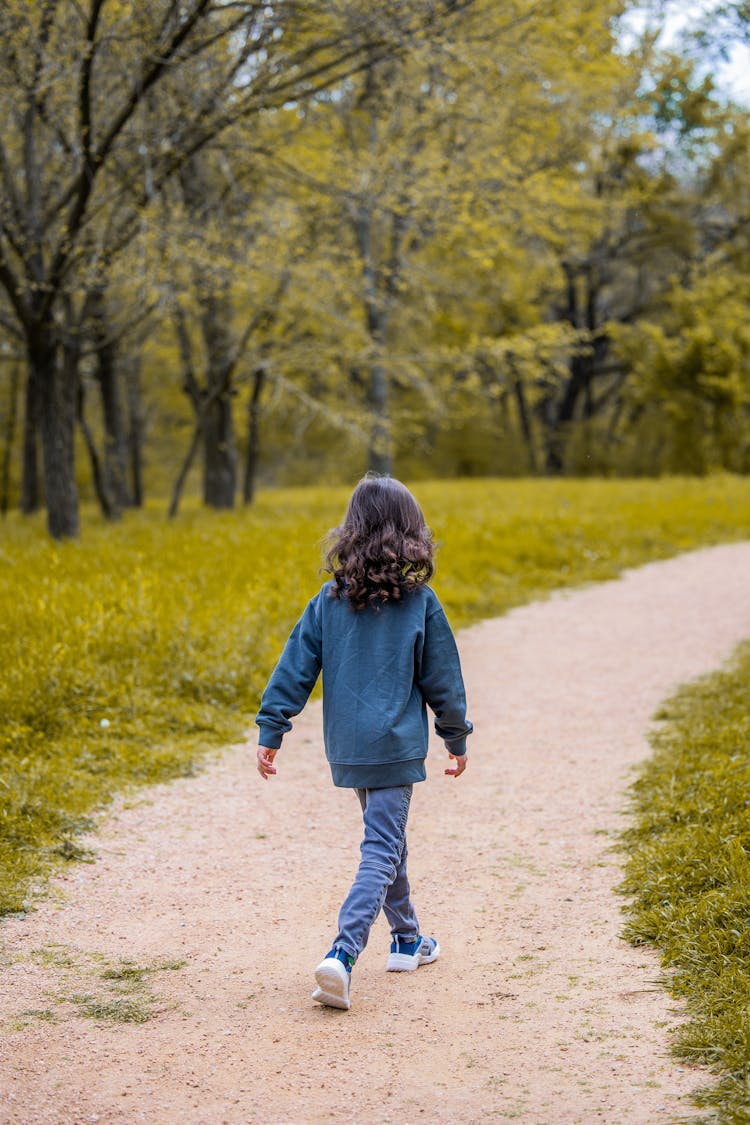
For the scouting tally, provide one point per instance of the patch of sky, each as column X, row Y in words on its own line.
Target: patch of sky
column 679, row 24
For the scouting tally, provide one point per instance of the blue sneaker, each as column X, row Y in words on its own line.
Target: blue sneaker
column 333, row 976
column 406, row 956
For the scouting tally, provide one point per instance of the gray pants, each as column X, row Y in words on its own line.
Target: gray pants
column 381, row 881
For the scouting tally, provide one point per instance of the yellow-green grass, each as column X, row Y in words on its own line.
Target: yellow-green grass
column 689, row 874
column 129, row 654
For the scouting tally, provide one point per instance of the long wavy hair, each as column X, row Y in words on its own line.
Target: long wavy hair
column 383, row 549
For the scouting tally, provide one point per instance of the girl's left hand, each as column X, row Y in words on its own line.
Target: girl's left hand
column 266, row 756
column 460, row 760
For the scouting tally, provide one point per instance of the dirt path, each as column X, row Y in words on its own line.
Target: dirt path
column 227, row 890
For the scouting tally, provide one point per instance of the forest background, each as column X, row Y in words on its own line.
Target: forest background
column 285, row 242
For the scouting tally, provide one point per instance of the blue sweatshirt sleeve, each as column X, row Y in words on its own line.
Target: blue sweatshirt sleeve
column 292, row 679
column 441, row 683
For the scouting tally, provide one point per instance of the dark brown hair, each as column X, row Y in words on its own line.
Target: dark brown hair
column 383, row 549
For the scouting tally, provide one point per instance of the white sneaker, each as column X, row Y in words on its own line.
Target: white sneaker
column 333, row 975
column 406, row 956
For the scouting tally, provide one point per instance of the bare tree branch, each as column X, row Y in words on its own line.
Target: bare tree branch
column 84, row 93
column 79, row 190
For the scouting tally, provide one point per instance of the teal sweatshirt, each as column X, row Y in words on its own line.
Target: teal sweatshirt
column 381, row 669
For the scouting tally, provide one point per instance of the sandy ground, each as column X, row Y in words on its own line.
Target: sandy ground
column 227, row 889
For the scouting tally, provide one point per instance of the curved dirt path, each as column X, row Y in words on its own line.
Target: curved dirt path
column 227, row 888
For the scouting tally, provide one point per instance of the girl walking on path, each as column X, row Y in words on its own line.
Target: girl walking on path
column 386, row 651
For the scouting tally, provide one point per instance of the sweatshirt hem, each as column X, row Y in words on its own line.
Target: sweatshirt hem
column 374, row 775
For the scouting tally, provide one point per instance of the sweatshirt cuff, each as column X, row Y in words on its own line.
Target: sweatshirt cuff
column 270, row 737
column 456, row 747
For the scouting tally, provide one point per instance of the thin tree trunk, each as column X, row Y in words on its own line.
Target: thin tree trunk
column 219, row 446
column 525, row 420
column 217, row 424
column 614, row 420
column 563, row 416
column 107, row 376
column 561, row 412
column 582, row 312
column 253, row 436
column 115, row 448
column 212, row 403
column 380, row 453
column 10, row 435
column 174, row 503
column 109, row 510
column 135, row 429
column 200, row 420
column 30, row 475
column 219, row 453
column 57, row 409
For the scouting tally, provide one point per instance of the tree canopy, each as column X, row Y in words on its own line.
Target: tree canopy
column 294, row 240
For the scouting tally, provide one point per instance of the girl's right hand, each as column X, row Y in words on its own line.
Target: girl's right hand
column 266, row 756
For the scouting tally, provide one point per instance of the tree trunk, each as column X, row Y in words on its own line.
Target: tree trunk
column 219, row 453
column 135, row 429
column 583, row 365
column 10, row 436
column 109, row 510
column 561, row 412
column 115, row 448
column 563, row 415
column 57, row 410
column 253, row 436
column 216, row 417
column 114, row 468
column 380, row 453
column 219, row 447
column 213, row 407
column 524, row 418
column 30, row 491
column 179, row 484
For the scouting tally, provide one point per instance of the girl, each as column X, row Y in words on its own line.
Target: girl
column 386, row 651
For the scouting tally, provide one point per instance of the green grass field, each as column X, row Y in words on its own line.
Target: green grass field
column 688, row 873
column 132, row 653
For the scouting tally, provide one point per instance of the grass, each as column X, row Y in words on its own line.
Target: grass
column 129, row 655
column 115, row 992
column 127, row 998
column 31, row 1017
column 688, row 873
column 118, row 1009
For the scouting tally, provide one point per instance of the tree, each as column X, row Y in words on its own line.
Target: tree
column 689, row 353
column 429, row 164
column 81, row 92
column 691, row 375
column 233, row 268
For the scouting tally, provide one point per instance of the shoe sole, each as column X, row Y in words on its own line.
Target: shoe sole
column 333, row 984
column 404, row 963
